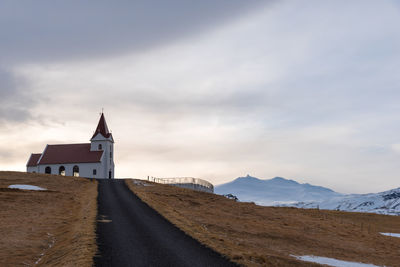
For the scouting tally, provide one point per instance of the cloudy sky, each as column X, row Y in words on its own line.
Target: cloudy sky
column 307, row 90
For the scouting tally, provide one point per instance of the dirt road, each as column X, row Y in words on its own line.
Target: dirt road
column 130, row 233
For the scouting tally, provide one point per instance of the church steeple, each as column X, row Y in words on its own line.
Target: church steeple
column 102, row 128
column 103, row 140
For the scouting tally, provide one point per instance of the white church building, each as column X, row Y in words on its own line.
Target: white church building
column 91, row 160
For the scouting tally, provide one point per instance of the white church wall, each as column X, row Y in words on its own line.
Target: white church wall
column 107, row 145
column 32, row 169
column 85, row 169
column 99, row 139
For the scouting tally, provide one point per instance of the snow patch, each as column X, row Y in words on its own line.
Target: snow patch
column 391, row 234
column 50, row 245
column 140, row 183
column 333, row 262
column 26, row 187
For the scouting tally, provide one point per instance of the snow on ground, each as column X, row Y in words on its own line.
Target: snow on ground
column 26, row 187
column 333, row 262
column 141, row 183
column 288, row 193
column 276, row 191
column 387, row 202
column 51, row 244
column 391, row 234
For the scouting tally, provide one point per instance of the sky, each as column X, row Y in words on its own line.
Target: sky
column 213, row 89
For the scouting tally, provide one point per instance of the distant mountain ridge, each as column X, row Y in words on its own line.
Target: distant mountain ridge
column 387, row 202
column 289, row 193
column 274, row 191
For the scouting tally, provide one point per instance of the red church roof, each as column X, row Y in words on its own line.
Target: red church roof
column 102, row 128
column 73, row 153
column 32, row 162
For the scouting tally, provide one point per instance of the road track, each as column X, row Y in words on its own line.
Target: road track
column 130, row 233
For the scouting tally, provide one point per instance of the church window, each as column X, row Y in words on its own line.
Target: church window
column 94, row 171
column 100, row 147
column 110, row 154
column 61, row 171
column 47, row 170
column 75, row 171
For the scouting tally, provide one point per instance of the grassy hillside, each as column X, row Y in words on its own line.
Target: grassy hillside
column 54, row 227
column 254, row 235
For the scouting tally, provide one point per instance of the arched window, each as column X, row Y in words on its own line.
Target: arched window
column 61, row 171
column 47, row 170
column 100, row 147
column 75, row 171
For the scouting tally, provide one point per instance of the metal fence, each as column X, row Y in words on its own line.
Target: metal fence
column 186, row 182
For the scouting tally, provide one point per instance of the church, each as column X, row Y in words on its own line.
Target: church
column 90, row 160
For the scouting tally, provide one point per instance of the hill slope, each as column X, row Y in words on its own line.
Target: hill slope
column 274, row 191
column 267, row 236
column 52, row 227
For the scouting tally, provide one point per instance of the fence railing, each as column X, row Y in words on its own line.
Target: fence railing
column 188, row 182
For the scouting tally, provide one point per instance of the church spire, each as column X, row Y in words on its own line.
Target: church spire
column 102, row 128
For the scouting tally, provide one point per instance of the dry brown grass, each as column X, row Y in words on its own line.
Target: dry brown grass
column 54, row 227
column 266, row 236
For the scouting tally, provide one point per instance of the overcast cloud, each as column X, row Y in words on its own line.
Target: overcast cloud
column 211, row 90
column 64, row 30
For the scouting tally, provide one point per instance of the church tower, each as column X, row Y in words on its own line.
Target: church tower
column 102, row 140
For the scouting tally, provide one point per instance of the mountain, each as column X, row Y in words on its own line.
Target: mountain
column 387, row 202
column 274, row 191
column 288, row 193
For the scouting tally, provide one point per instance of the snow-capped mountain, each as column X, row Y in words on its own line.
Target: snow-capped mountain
column 282, row 192
column 387, row 202
column 276, row 191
